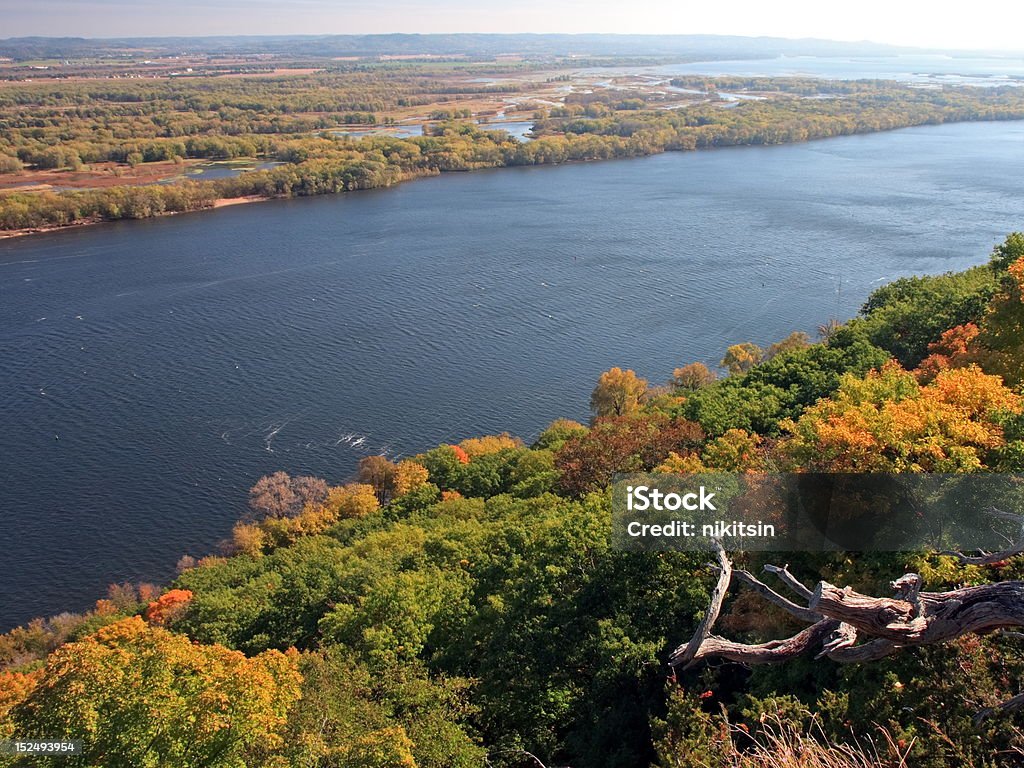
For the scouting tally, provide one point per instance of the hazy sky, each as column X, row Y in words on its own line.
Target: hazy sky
column 992, row 24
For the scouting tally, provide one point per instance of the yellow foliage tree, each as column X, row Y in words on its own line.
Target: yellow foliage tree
column 740, row 358
column 248, row 539
column 352, row 500
column 386, row 748
column 409, row 476
column 139, row 696
column 735, row 451
column 617, row 393
column 693, row 376
column 674, row 464
column 482, row 446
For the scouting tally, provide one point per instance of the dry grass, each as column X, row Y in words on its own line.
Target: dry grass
column 780, row 745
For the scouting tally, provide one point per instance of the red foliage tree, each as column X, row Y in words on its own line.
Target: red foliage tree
column 168, row 605
column 633, row 443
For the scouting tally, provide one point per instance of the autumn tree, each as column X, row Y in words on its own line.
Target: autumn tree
column 379, row 472
column 15, row 687
column 735, row 451
column 686, row 464
column 956, row 348
column 170, row 604
column 622, row 444
column 617, row 393
column 795, row 340
column 888, row 422
column 482, row 446
column 740, row 358
column 139, row 696
column 409, row 476
column 352, row 500
column 281, row 495
column 693, row 376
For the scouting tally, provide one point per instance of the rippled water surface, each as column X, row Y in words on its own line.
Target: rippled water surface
column 151, row 371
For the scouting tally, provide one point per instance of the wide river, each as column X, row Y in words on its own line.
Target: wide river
column 151, row 371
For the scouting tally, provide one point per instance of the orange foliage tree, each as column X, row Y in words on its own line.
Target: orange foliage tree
column 168, row 605
column 956, row 348
column 888, row 422
column 460, row 454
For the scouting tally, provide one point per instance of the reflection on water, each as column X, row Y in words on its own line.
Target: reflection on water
column 225, row 169
column 517, row 128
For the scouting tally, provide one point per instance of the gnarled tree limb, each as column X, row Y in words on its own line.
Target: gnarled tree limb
column 801, row 612
column 686, row 654
column 789, row 580
column 849, row 627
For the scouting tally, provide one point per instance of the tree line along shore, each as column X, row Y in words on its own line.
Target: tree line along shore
column 116, row 126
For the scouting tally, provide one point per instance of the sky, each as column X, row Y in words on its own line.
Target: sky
column 980, row 24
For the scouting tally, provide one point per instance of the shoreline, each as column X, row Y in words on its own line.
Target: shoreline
column 231, row 201
column 223, row 202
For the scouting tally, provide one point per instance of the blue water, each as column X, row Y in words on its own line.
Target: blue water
column 518, row 128
column 151, row 371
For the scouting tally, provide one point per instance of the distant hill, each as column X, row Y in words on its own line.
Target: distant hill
column 690, row 46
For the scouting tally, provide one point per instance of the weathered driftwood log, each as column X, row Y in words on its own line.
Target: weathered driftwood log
column 850, row 627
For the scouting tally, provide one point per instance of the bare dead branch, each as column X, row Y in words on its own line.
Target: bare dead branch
column 799, row 611
column 849, row 627
column 988, row 558
column 771, row 652
column 685, row 655
column 873, row 650
column 1010, row 705
column 942, row 615
column 789, row 580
